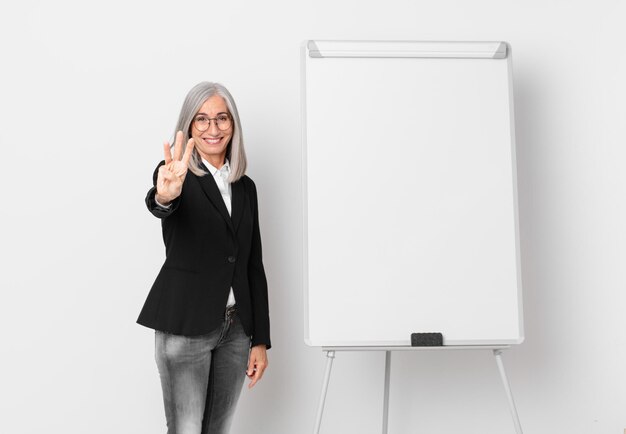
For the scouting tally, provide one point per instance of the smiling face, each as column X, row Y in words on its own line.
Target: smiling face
column 212, row 143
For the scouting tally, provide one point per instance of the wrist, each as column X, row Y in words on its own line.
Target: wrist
column 162, row 200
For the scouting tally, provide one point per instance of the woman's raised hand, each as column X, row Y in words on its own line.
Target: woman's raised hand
column 172, row 174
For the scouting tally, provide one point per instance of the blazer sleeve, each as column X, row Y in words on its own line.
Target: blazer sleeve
column 153, row 207
column 258, row 281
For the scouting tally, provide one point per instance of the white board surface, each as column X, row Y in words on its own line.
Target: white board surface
column 410, row 202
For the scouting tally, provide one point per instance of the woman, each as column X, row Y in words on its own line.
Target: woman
column 209, row 303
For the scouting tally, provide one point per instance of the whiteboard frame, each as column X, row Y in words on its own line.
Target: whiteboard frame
column 407, row 49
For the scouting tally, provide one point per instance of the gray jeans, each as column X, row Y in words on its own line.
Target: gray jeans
column 202, row 377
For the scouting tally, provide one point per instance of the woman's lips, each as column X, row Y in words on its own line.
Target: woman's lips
column 212, row 141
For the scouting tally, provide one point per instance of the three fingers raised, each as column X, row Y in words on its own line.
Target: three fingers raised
column 178, row 150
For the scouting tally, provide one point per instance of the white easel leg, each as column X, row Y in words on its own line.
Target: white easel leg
column 386, row 395
column 507, row 388
column 320, row 409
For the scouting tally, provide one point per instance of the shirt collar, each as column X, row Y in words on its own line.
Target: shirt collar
column 224, row 169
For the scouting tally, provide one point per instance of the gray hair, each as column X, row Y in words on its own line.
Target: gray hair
column 234, row 151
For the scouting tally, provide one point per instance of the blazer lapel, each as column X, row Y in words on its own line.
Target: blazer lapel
column 213, row 193
column 238, row 194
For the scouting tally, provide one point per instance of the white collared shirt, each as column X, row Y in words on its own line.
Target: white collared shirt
column 221, row 179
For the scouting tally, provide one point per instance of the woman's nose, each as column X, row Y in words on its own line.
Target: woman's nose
column 213, row 130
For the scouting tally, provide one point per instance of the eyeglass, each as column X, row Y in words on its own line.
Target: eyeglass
column 202, row 123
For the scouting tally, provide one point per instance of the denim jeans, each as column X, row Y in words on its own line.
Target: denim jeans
column 202, row 377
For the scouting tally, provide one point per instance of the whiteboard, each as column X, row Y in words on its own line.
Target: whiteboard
column 410, row 199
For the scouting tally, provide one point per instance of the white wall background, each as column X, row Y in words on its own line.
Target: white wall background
column 89, row 91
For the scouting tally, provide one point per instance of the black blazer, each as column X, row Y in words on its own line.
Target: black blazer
column 207, row 252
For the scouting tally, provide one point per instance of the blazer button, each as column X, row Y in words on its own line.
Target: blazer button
column 232, row 259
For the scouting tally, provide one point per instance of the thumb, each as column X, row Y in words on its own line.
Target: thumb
column 251, row 363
